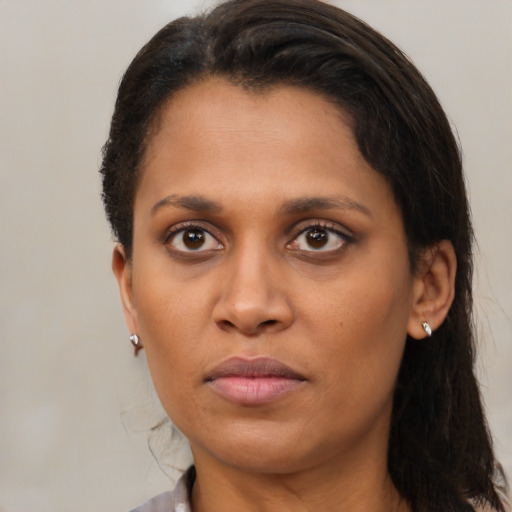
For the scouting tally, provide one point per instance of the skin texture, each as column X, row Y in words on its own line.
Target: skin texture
column 240, row 170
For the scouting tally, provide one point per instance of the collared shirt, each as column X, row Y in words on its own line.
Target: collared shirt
column 177, row 500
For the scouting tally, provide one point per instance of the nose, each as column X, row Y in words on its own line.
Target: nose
column 253, row 299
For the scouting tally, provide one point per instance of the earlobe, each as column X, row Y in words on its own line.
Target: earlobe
column 121, row 266
column 434, row 289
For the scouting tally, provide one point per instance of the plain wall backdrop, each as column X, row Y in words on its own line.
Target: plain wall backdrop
column 67, row 372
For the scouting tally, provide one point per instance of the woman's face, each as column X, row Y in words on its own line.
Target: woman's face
column 270, row 280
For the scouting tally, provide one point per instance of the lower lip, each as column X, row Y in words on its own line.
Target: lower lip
column 254, row 390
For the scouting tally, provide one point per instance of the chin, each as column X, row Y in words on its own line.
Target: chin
column 267, row 452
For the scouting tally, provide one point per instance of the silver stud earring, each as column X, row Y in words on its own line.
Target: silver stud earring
column 427, row 329
column 137, row 344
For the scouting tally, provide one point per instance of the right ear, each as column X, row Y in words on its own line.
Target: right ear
column 122, row 268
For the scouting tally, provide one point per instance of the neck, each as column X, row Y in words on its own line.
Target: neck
column 337, row 487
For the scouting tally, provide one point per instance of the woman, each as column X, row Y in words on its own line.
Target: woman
column 294, row 254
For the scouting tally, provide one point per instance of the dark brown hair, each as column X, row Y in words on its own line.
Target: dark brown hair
column 440, row 454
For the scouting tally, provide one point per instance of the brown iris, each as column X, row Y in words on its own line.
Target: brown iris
column 317, row 238
column 193, row 238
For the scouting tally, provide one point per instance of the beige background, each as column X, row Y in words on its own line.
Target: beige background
column 66, row 368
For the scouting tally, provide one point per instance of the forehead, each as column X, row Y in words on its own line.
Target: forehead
column 217, row 104
column 220, row 138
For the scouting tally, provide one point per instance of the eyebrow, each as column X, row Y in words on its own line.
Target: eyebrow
column 300, row 205
column 193, row 203
column 306, row 204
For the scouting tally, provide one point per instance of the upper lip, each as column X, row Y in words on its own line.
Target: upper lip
column 253, row 368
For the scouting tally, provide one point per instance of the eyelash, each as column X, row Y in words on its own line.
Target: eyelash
column 329, row 227
column 172, row 233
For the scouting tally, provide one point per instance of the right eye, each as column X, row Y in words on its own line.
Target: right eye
column 319, row 239
column 193, row 240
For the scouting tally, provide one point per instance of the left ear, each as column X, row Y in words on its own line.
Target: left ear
column 434, row 288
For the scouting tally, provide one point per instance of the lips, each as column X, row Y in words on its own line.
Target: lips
column 253, row 382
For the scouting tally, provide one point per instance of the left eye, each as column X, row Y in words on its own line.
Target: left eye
column 318, row 239
column 193, row 240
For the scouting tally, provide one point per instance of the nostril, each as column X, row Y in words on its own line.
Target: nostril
column 254, row 329
column 226, row 324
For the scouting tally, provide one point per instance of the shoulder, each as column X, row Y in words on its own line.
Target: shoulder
column 165, row 502
column 177, row 500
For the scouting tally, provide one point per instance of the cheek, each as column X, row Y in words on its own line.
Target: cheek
column 171, row 328
column 171, row 317
column 361, row 327
column 167, row 303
